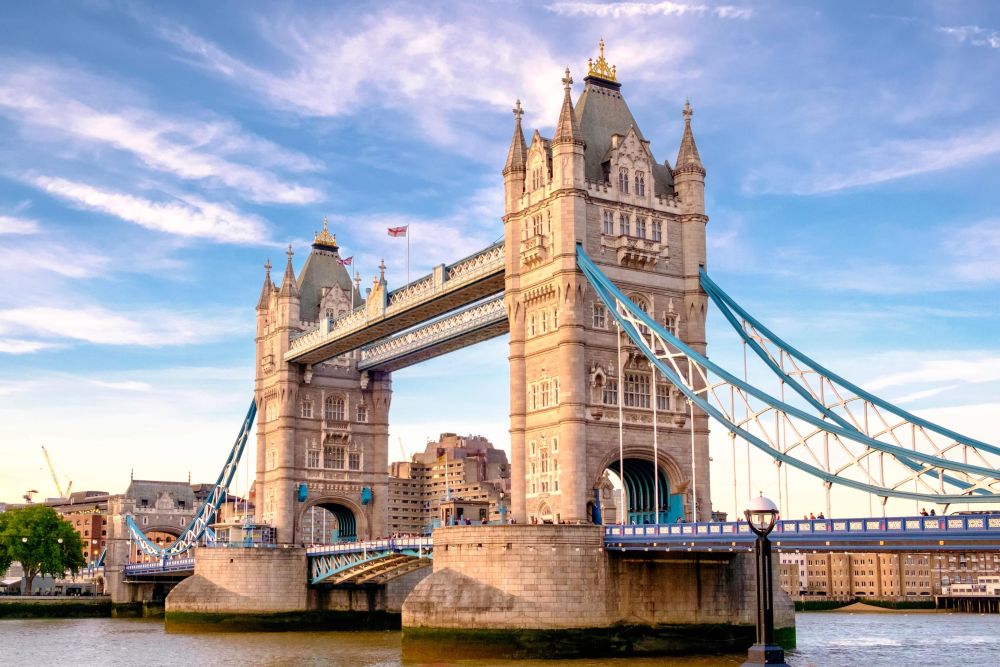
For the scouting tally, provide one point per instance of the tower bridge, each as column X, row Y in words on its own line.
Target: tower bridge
column 602, row 284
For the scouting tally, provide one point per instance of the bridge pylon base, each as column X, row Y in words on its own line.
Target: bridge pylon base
column 554, row 590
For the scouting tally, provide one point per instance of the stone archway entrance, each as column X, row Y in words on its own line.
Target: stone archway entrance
column 330, row 522
column 643, row 485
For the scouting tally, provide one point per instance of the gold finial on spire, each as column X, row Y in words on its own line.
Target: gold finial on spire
column 600, row 68
column 324, row 238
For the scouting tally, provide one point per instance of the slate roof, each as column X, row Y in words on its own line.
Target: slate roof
column 322, row 270
column 601, row 111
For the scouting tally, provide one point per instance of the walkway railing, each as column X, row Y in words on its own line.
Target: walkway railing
column 160, row 567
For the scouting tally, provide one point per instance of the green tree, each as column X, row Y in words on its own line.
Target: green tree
column 41, row 541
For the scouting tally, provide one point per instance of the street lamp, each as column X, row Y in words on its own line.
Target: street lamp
column 761, row 515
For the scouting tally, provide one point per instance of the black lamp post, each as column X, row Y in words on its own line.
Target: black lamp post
column 761, row 515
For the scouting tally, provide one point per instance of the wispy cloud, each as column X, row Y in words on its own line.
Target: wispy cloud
column 18, row 346
column 101, row 326
column 122, row 385
column 215, row 151
column 920, row 395
column 888, row 161
column 986, row 369
column 51, row 256
column 186, row 216
column 642, row 9
column 975, row 250
column 435, row 70
column 973, row 34
column 15, row 225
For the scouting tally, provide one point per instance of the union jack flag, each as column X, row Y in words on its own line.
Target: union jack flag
column 398, row 231
column 346, row 261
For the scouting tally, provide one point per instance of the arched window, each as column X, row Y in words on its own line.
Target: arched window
column 333, row 409
column 640, row 183
column 609, row 223
column 555, row 319
column 623, row 179
column 640, row 227
column 657, row 231
column 623, row 224
column 362, row 413
column 531, row 325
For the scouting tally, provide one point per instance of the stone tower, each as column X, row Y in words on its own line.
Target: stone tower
column 596, row 182
column 322, row 431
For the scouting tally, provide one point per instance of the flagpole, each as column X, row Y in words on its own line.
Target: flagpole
column 407, row 256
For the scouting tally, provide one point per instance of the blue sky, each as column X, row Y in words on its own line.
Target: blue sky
column 152, row 156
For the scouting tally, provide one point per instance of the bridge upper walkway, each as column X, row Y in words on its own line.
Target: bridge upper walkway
column 445, row 289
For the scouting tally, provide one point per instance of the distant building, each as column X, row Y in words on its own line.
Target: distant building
column 456, row 477
column 903, row 575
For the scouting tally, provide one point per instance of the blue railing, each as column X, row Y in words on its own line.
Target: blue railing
column 387, row 544
column 160, row 567
column 928, row 531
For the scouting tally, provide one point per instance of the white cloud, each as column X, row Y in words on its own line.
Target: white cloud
column 17, row 346
column 188, row 217
column 123, row 385
column 13, row 225
column 975, row 250
column 973, row 34
column 986, row 369
column 620, row 10
column 101, row 326
column 215, row 151
column 920, row 395
column 52, row 256
column 888, row 161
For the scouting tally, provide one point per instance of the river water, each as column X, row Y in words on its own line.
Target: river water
column 825, row 640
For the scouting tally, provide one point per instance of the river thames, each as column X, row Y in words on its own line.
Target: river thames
column 828, row 639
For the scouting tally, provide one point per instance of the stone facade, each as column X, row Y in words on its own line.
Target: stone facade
column 324, row 425
column 559, row 577
column 235, row 580
column 597, row 183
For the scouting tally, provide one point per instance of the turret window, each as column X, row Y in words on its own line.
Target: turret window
column 307, row 409
column 623, row 180
column 609, row 223
column 600, row 316
column 333, row 409
column 354, row 460
column 609, row 394
column 333, row 457
column 362, row 413
column 623, row 224
column 657, row 231
column 640, row 183
column 636, row 390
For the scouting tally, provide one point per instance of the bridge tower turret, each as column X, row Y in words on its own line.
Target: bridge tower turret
column 322, row 430
column 596, row 183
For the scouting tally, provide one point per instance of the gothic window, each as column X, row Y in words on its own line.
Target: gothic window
column 555, row 392
column 536, row 225
column 270, row 410
column 533, row 402
column 329, row 313
column 555, row 319
column 623, row 224
column 600, row 316
column 354, row 460
column 623, row 179
column 609, row 223
column 307, row 409
column 640, row 183
column 636, row 390
column 271, row 459
column 640, row 227
column 333, row 409
column 670, row 320
column 657, row 231
column 644, row 307
column 545, row 321
column 609, row 394
column 333, row 457
column 312, row 458
column 532, row 468
column 663, row 395
column 555, row 446
column 531, row 325
column 532, row 447
column 362, row 413
column 544, row 460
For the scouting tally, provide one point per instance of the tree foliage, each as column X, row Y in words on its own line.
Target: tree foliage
column 30, row 535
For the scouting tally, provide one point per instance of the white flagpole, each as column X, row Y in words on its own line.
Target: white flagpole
column 407, row 254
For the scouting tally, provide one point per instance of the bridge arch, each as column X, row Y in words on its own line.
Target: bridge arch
column 347, row 521
column 638, row 482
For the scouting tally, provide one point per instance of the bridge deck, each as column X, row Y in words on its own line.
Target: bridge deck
column 449, row 287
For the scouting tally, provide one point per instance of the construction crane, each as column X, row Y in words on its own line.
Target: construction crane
column 55, row 478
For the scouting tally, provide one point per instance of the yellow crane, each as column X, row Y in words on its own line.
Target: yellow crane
column 55, row 478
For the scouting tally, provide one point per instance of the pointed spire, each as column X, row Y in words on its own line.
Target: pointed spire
column 687, row 157
column 265, row 292
column 567, row 129
column 517, row 155
column 288, row 285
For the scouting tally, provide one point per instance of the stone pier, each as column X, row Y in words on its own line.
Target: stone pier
column 554, row 590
